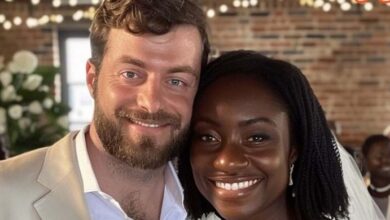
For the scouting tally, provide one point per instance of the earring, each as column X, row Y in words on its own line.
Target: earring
column 290, row 183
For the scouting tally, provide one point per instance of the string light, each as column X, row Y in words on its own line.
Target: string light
column 223, row 8
column 31, row 22
column 7, row 25
column 56, row 3
column 95, row 2
column 368, row 6
column 35, row 2
column 17, row 21
column 326, row 7
column 236, row 3
column 210, row 13
column 2, row 18
column 72, row 3
column 253, row 2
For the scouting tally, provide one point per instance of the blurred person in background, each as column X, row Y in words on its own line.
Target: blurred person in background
column 376, row 151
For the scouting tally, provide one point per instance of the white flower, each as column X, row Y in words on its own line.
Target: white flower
column 210, row 216
column 5, row 78
column 15, row 111
column 24, row 123
column 23, row 62
column 3, row 116
column 48, row 103
column 8, row 93
column 1, row 62
column 2, row 129
column 35, row 107
column 63, row 121
column 44, row 88
column 32, row 82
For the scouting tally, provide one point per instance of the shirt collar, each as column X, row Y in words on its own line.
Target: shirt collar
column 172, row 183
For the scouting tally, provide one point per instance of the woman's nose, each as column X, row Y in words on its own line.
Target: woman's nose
column 230, row 158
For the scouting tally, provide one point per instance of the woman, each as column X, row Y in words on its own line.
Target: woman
column 376, row 151
column 260, row 145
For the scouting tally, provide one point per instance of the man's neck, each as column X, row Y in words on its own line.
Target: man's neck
column 136, row 190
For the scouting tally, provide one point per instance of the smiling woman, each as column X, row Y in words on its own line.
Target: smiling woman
column 260, row 147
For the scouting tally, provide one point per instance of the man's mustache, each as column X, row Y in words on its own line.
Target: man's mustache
column 159, row 117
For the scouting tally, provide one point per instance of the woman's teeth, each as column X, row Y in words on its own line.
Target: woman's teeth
column 236, row 185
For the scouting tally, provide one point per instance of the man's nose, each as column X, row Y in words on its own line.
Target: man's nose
column 149, row 95
column 231, row 158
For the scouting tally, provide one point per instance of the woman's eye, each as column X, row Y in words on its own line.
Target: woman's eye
column 256, row 138
column 208, row 138
column 130, row 75
column 176, row 82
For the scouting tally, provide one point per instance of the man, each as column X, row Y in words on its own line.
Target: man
column 143, row 75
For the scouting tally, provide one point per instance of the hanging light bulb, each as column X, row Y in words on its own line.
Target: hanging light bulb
column 44, row 20
column 340, row 1
column 236, row 3
column 318, row 3
column 72, row 3
column 2, row 18
column 31, row 22
column 223, row 8
column 245, row 3
column 368, row 6
column 7, row 25
column 326, row 7
column 210, row 13
column 78, row 15
column 59, row 18
column 253, row 2
column 346, row 6
column 95, row 2
column 35, row 2
column 17, row 21
column 56, row 3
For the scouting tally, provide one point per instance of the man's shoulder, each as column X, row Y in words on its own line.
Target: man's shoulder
column 27, row 166
column 22, row 167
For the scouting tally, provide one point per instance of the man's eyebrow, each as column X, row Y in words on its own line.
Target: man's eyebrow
column 141, row 64
column 131, row 60
column 183, row 69
column 256, row 120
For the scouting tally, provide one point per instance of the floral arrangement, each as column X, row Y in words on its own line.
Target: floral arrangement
column 30, row 117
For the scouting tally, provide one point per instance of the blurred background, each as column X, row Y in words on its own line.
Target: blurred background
column 342, row 46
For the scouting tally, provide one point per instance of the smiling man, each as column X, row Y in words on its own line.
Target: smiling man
column 143, row 75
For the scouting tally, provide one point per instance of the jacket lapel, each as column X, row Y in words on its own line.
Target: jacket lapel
column 61, row 175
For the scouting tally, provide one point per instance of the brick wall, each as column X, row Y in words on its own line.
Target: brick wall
column 345, row 55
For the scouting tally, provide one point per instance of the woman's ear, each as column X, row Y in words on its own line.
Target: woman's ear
column 293, row 155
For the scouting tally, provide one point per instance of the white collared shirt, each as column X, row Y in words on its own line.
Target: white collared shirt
column 102, row 206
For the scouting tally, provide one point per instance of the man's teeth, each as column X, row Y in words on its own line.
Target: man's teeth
column 146, row 125
column 237, row 185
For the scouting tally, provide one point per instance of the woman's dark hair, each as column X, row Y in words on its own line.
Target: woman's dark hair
column 371, row 140
column 318, row 179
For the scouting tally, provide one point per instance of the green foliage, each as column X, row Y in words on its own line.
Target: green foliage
column 30, row 117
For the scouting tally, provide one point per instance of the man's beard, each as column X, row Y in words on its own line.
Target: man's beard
column 142, row 153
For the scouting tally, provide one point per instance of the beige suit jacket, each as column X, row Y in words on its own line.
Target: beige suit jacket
column 43, row 184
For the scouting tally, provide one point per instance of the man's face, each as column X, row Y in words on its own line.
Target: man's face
column 144, row 93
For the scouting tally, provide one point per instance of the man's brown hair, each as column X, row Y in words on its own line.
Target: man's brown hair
column 145, row 16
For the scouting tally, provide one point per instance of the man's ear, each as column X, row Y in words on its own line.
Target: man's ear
column 91, row 78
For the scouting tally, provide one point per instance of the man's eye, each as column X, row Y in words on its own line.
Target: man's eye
column 208, row 138
column 176, row 82
column 129, row 75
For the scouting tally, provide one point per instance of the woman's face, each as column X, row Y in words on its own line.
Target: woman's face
column 241, row 150
column 378, row 161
